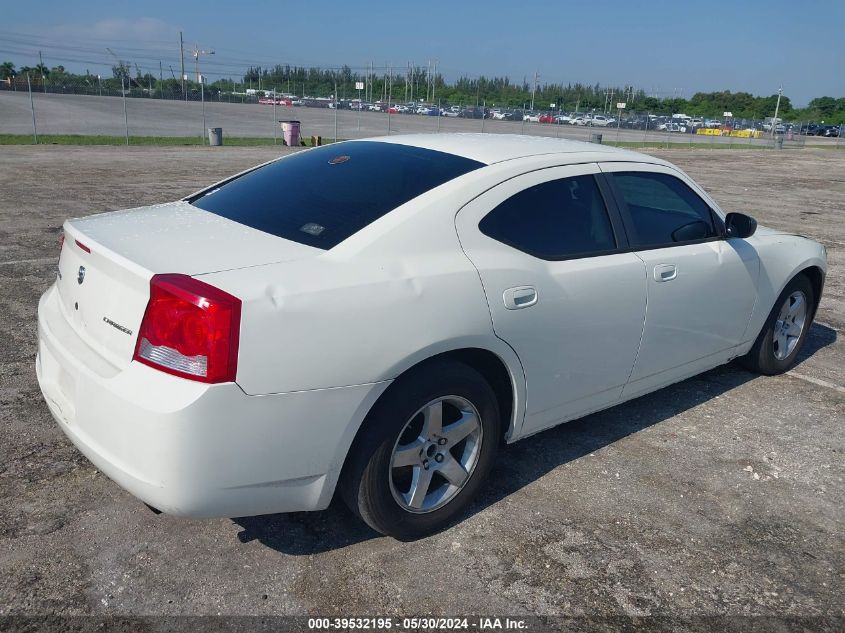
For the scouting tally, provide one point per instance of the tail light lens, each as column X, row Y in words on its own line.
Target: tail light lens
column 190, row 329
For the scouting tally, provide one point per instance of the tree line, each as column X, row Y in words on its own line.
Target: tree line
column 404, row 84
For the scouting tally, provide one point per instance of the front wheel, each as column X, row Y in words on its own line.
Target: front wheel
column 785, row 330
column 423, row 451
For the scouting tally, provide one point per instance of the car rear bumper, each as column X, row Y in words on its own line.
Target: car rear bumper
column 192, row 449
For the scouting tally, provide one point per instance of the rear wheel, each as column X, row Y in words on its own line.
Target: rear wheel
column 785, row 330
column 423, row 451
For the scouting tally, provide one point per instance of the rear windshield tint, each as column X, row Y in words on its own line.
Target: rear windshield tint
column 322, row 196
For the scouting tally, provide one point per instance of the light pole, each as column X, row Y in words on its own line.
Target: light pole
column 777, row 107
column 433, row 81
column 197, row 53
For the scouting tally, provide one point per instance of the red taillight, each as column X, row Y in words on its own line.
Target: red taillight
column 82, row 246
column 190, row 329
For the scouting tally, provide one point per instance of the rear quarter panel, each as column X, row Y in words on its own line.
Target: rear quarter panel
column 390, row 296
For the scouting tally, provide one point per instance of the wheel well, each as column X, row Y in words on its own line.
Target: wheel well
column 494, row 371
column 816, row 277
column 489, row 365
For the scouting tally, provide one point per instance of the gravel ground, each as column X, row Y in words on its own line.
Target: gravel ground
column 719, row 496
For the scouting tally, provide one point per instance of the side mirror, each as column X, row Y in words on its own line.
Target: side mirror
column 740, row 225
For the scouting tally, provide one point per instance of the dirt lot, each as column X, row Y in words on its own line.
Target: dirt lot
column 720, row 496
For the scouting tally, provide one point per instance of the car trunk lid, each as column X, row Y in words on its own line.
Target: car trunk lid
column 107, row 261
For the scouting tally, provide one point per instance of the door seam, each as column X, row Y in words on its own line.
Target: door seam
column 645, row 318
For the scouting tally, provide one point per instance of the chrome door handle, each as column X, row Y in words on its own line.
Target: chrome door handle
column 520, row 297
column 665, row 272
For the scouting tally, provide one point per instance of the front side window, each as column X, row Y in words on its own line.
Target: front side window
column 558, row 219
column 662, row 210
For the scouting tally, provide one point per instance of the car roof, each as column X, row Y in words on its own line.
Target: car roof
column 495, row 148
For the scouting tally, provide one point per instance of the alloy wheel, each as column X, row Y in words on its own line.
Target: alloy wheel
column 789, row 325
column 435, row 454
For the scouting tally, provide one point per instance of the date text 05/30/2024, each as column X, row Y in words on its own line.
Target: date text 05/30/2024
column 417, row 624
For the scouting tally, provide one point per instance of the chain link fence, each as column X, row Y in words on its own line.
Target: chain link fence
column 115, row 107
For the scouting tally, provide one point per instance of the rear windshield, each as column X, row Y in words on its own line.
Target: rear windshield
column 322, row 196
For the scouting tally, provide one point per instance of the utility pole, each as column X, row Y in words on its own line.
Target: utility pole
column 534, row 89
column 182, row 61
column 777, row 107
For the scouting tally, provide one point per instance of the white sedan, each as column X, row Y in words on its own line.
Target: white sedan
column 376, row 317
column 599, row 120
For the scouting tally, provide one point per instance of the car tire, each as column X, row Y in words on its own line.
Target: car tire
column 384, row 469
column 779, row 342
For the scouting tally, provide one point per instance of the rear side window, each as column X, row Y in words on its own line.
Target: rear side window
column 662, row 210
column 322, row 196
column 558, row 219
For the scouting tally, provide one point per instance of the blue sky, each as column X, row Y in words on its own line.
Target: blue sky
column 663, row 47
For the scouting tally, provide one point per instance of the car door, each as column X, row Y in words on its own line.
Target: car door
column 560, row 291
column 701, row 287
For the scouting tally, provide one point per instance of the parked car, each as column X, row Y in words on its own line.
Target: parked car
column 281, row 335
column 671, row 126
column 474, row 113
column 636, row 123
column 547, row 118
column 531, row 117
column 600, row 120
column 454, row 111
